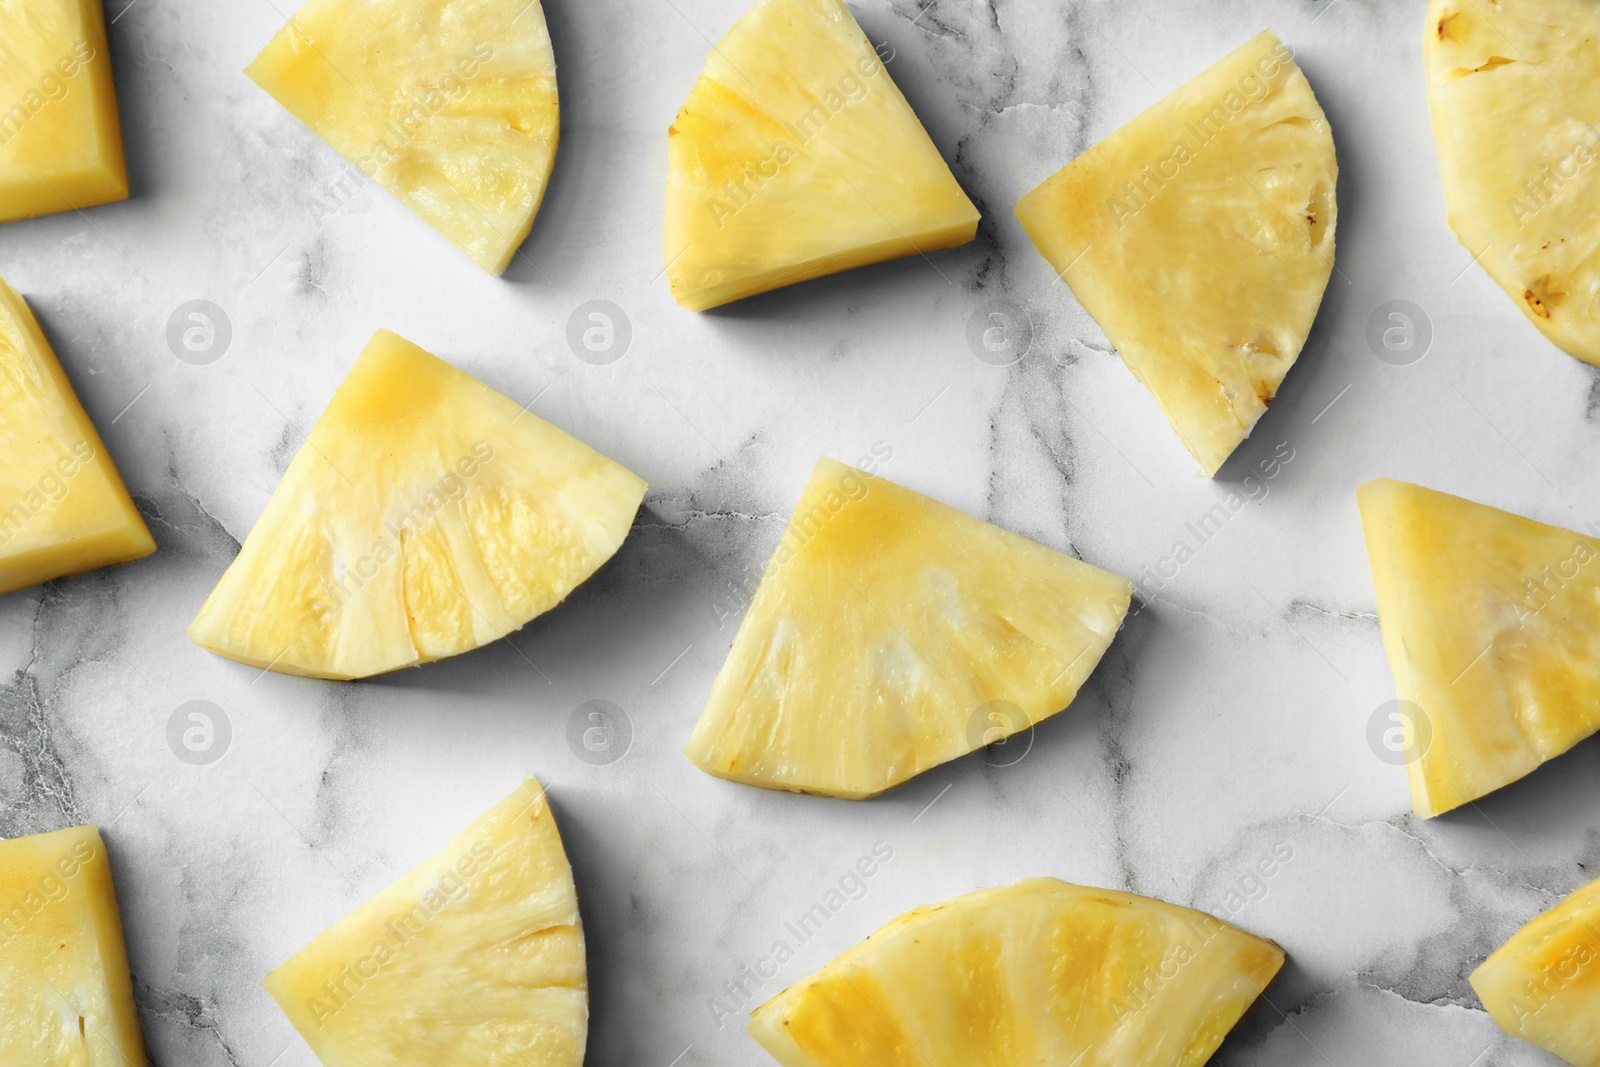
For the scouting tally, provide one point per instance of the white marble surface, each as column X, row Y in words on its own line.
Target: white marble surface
column 1229, row 718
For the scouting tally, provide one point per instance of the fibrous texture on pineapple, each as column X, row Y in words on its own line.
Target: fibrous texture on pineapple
column 449, row 104
column 60, row 140
column 1042, row 972
column 892, row 633
column 1201, row 237
column 63, row 507
column 1514, row 87
column 1492, row 626
column 796, row 156
column 426, row 515
column 1544, row 984
column 66, row 997
column 474, row 957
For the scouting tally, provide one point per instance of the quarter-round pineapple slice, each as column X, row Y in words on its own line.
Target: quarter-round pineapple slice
column 65, row 994
column 1042, row 972
column 1201, row 237
column 796, row 156
column 450, row 104
column 1544, row 984
column 1492, row 626
column 63, row 507
column 426, row 515
column 1514, row 87
column 892, row 633
column 474, row 957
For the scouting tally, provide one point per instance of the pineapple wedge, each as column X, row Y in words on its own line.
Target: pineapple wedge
column 1201, row 237
column 65, row 994
column 1544, row 984
column 1492, row 626
column 1514, row 87
column 425, row 516
column 474, row 957
column 796, row 156
column 449, row 104
column 886, row 631
column 63, row 507
column 1042, row 972
column 60, row 139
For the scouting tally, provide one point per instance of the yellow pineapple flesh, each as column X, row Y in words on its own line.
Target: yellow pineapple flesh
column 449, row 104
column 892, row 633
column 1544, row 984
column 1492, row 626
column 66, row 998
column 1514, row 87
column 796, row 156
column 63, row 507
column 1201, row 237
column 60, row 138
column 426, row 515
column 1035, row 973
column 474, row 957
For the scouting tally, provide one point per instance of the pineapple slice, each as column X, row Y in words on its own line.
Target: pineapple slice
column 426, row 515
column 1492, row 626
column 796, row 156
column 1035, row 973
column 449, row 104
column 1514, row 87
column 1544, row 984
column 474, row 957
column 1200, row 236
column 63, row 508
column 892, row 633
column 60, row 141
column 65, row 994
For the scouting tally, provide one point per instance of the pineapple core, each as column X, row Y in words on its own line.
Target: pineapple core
column 65, row 993
column 1035, row 973
column 63, row 508
column 60, row 141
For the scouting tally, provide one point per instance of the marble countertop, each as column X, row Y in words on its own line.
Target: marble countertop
column 1227, row 724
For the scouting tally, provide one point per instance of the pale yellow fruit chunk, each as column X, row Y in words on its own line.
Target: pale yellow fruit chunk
column 425, row 516
column 1492, row 626
column 450, row 104
column 892, row 633
column 1514, row 86
column 1041, row 972
column 66, row 999
column 1544, row 984
column 60, row 141
column 474, row 957
column 63, row 508
column 796, row 156
column 1200, row 236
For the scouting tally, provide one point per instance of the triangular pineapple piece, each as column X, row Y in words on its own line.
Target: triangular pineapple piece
column 425, row 516
column 60, row 139
column 449, row 104
column 63, row 507
column 1042, row 972
column 474, row 957
column 65, row 993
column 797, row 156
column 1514, row 87
column 892, row 633
column 1492, row 626
column 1200, row 236
column 1543, row 985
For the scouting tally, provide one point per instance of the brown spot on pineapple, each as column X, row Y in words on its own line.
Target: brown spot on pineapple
column 1450, row 26
column 1542, row 298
